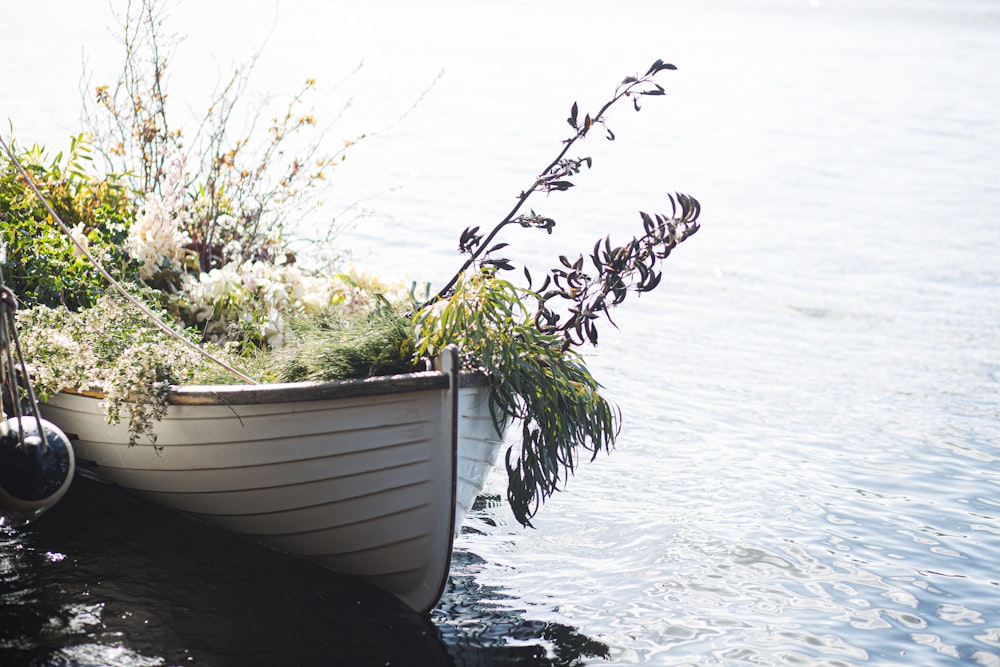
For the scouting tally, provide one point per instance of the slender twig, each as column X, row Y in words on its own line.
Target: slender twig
column 628, row 88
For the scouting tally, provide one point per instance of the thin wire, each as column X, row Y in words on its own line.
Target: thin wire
column 111, row 280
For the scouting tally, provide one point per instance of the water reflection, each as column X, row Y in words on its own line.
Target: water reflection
column 482, row 625
column 105, row 579
column 866, row 557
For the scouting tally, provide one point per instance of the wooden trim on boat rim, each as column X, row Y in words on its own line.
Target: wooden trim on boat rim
column 295, row 392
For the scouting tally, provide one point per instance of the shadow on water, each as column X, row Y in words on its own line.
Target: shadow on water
column 104, row 578
column 483, row 627
column 480, row 631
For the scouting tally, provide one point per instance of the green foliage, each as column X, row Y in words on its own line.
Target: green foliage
column 109, row 348
column 534, row 380
column 334, row 347
column 42, row 265
column 537, row 377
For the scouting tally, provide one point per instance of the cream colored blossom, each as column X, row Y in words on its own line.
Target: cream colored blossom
column 86, row 350
column 157, row 239
column 80, row 240
column 264, row 298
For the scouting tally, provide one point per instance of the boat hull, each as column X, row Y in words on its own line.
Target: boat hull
column 367, row 478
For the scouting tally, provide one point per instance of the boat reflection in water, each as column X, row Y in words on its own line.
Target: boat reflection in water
column 105, row 578
column 108, row 579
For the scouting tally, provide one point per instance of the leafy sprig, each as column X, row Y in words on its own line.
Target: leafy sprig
column 42, row 264
column 629, row 267
column 537, row 377
column 554, row 178
column 534, row 381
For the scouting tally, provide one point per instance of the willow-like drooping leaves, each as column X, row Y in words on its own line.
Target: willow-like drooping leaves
column 534, row 381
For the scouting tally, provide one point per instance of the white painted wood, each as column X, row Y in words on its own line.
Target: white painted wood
column 372, row 485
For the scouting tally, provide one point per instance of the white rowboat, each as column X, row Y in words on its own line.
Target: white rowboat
column 369, row 478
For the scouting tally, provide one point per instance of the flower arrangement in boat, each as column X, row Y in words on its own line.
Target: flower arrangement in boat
column 209, row 249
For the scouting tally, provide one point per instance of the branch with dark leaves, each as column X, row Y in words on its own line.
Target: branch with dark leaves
column 537, row 376
column 632, row 266
column 546, row 389
column 554, row 178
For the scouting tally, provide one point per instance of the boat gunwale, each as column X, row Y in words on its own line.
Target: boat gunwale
column 299, row 392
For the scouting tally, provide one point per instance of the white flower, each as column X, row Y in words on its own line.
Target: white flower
column 157, row 237
column 276, row 293
column 264, row 297
column 274, row 329
column 221, row 283
column 80, row 240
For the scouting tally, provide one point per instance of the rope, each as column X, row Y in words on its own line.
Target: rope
column 9, row 371
column 160, row 324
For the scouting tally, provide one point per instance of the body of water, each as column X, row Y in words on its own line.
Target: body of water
column 809, row 468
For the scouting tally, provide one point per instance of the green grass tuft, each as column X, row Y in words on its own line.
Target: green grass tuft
column 333, row 348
